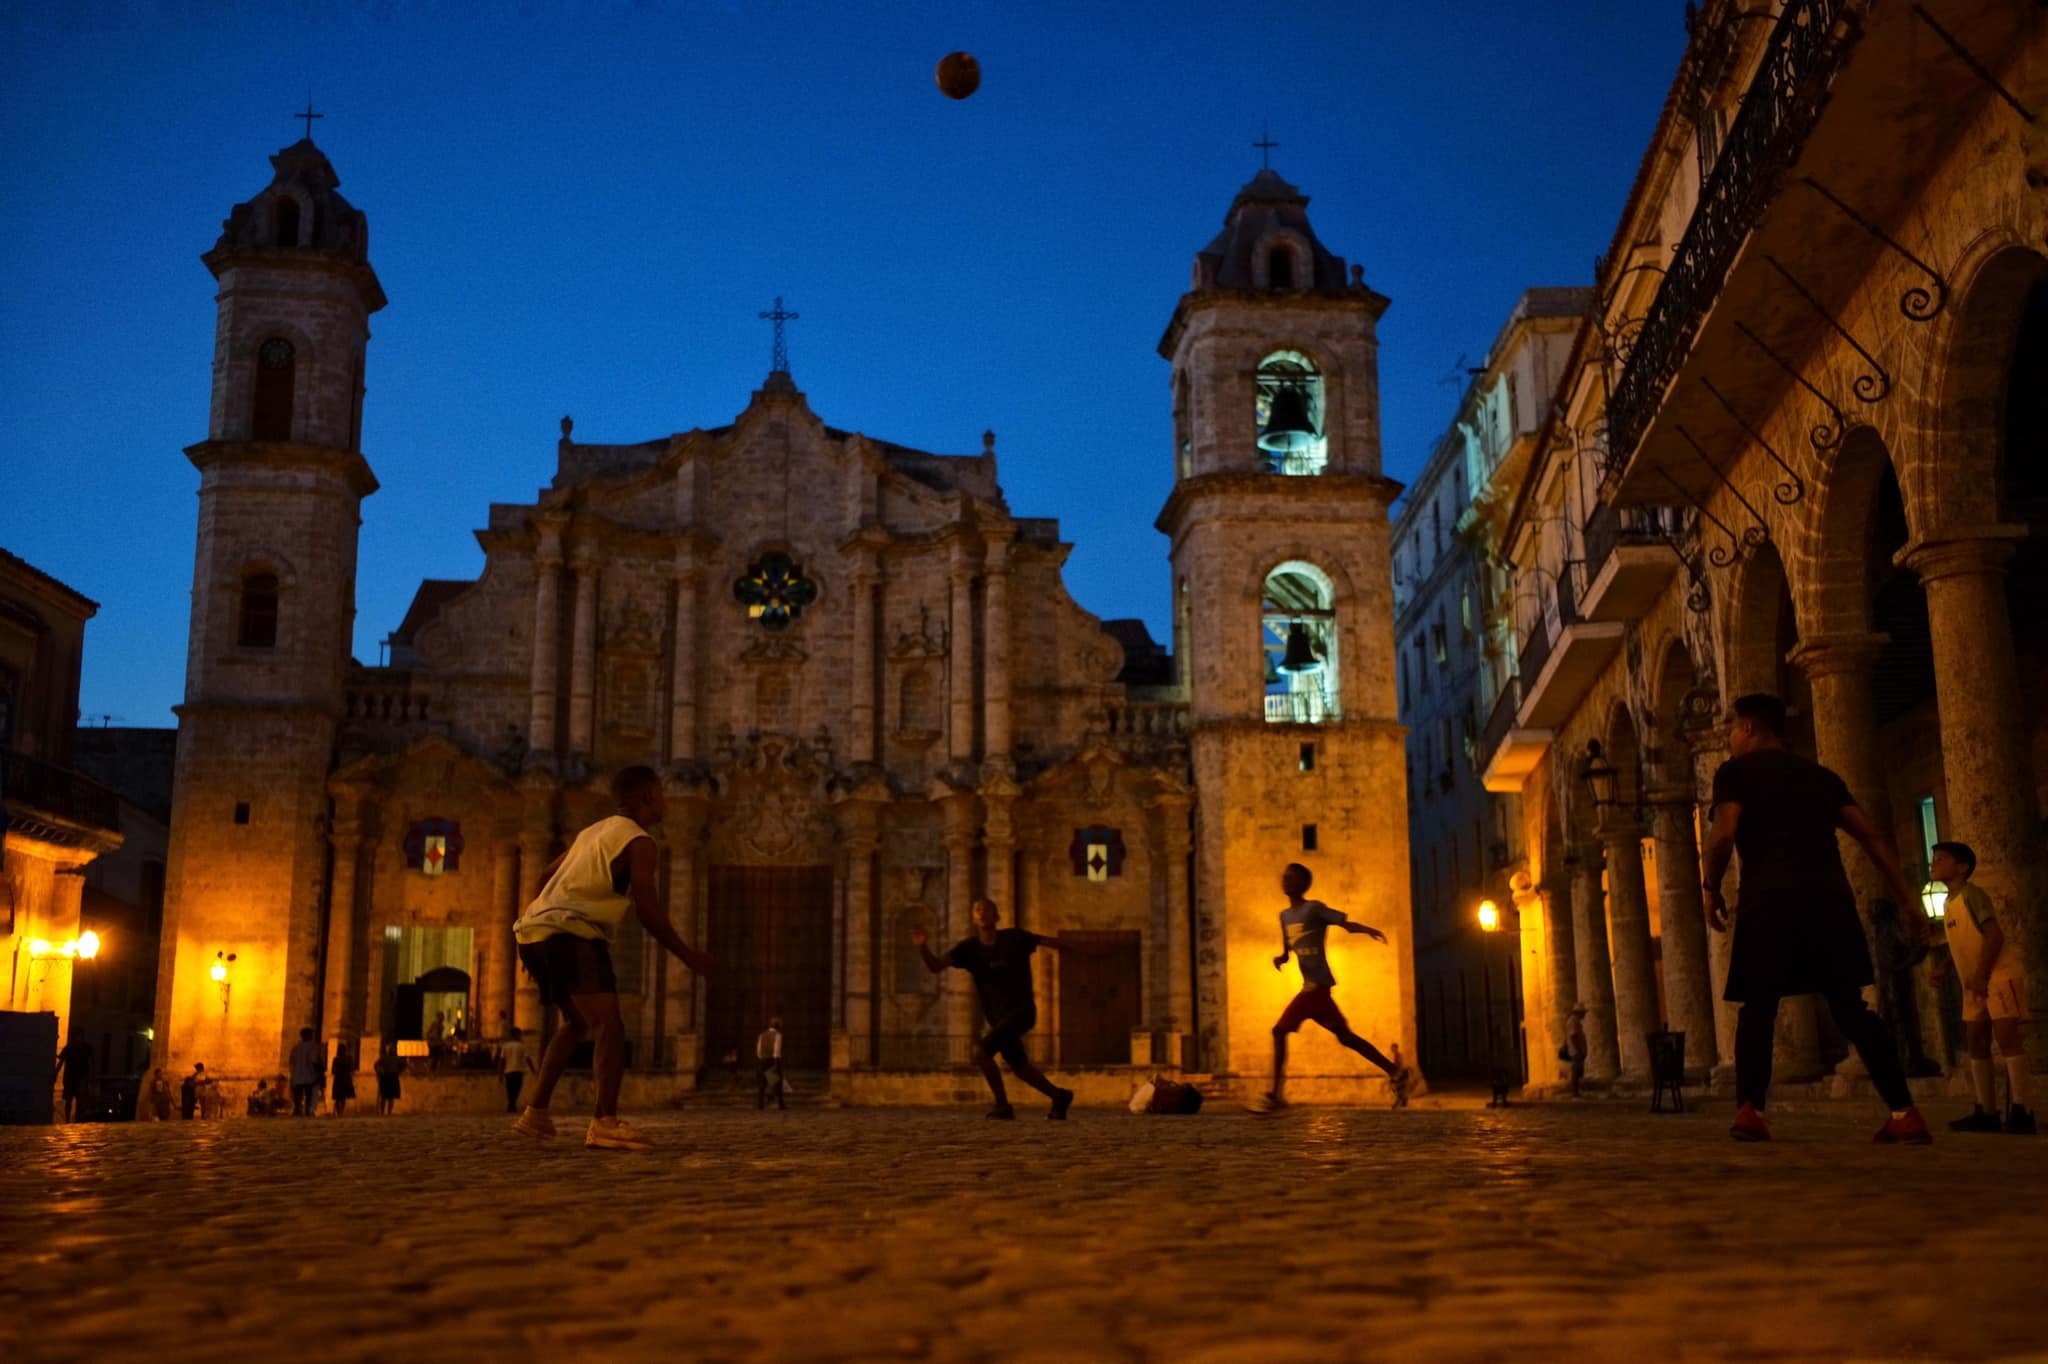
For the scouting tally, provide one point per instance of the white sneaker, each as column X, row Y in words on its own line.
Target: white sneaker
column 615, row 1134
column 534, row 1122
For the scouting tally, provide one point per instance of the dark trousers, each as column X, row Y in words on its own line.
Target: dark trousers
column 305, row 1100
column 1756, row 1026
column 513, row 1080
column 762, row 1070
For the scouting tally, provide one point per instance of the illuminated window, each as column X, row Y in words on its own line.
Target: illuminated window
column 1289, row 412
column 1298, row 632
column 774, row 591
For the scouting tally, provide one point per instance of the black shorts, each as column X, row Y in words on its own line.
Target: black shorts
column 563, row 965
column 1005, row 1038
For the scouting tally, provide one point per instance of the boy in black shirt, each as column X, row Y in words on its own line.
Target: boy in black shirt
column 1796, row 929
column 1000, row 962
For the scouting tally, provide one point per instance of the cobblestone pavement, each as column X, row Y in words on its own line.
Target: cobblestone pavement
column 1592, row 1232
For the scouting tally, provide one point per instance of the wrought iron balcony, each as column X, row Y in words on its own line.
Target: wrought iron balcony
column 1551, row 622
column 1499, row 721
column 39, row 794
column 1778, row 114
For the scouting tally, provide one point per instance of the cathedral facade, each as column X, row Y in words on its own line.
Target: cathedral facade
column 860, row 673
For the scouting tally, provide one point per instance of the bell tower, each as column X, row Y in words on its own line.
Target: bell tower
column 1283, row 622
column 281, row 482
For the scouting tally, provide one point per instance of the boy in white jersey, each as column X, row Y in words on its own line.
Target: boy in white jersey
column 1304, row 924
column 565, row 945
column 1994, row 992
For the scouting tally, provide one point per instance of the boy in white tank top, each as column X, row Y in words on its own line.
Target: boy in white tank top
column 564, row 942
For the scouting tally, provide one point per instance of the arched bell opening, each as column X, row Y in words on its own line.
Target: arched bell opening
column 1298, row 635
column 1290, row 414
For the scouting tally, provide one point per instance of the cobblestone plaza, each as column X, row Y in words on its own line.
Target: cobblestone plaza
column 1592, row 1232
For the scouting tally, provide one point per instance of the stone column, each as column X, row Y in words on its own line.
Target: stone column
column 1984, row 736
column 863, row 721
column 861, row 843
column 1845, row 739
column 1175, row 840
column 959, row 895
column 1595, row 981
column 960, row 668
column 996, row 636
column 1688, row 994
column 1560, row 969
column 534, row 844
column 683, row 679
column 583, row 656
column 1635, row 976
column 688, row 813
column 547, row 622
column 501, row 958
column 1542, row 1012
column 346, row 838
column 1709, row 745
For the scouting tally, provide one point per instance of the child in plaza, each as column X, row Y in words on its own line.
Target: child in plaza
column 768, row 1063
column 565, row 945
column 1994, row 992
column 999, row 960
column 1304, row 925
column 1796, row 927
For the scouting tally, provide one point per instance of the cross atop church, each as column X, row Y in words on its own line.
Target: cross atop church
column 1265, row 144
column 778, row 316
column 309, row 115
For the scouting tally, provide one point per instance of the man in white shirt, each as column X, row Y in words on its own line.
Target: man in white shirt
column 565, row 945
column 514, row 1061
column 767, row 1060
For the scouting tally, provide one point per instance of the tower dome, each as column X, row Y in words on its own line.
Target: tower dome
column 301, row 209
column 1267, row 244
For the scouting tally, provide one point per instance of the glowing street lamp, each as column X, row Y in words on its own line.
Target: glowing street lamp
column 219, row 972
column 1489, row 916
column 1934, row 899
column 38, row 948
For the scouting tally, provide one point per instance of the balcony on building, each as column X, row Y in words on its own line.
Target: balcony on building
column 1846, row 111
column 57, row 805
column 1563, row 655
column 1507, row 752
column 1628, row 561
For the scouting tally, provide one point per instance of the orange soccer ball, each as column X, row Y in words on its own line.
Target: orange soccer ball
column 959, row 75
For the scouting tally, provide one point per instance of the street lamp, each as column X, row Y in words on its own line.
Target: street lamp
column 1489, row 916
column 1599, row 775
column 219, row 972
column 1934, row 899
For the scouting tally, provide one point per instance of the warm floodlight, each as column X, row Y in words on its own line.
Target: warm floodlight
column 1489, row 915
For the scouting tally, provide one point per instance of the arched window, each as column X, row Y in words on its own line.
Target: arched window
column 256, row 627
column 287, row 221
column 1298, row 639
column 1280, row 268
column 276, row 372
column 1290, row 414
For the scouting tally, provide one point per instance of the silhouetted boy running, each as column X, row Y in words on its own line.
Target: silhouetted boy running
column 999, row 959
column 1304, row 925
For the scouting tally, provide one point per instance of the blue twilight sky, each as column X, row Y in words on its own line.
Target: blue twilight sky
column 580, row 207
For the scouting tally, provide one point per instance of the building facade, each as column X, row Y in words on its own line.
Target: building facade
column 856, row 667
column 1796, row 451
column 1454, row 659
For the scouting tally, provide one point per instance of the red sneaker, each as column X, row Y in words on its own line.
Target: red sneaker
column 1749, row 1125
column 1908, row 1129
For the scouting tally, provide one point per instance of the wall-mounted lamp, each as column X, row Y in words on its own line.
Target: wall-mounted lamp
column 1489, row 916
column 219, row 972
column 1599, row 775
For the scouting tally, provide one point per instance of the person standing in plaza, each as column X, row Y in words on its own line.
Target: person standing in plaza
column 1994, row 992
column 1304, row 926
column 1576, row 1046
column 565, row 945
column 768, row 1061
column 309, row 1068
column 1796, row 928
column 344, row 1070
column 74, row 1065
column 999, row 961
column 188, row 1091
column 388, row 1068
column 514, row 1061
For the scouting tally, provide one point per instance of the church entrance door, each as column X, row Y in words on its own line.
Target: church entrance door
column 1100, row 1000
column 771, row 931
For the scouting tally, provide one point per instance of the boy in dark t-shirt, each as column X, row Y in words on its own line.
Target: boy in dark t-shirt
column 1796, row 927
column 999, row 960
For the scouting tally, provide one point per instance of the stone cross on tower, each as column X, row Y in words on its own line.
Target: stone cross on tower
column 1265, row 144
column 308, row 115
column 780, row 362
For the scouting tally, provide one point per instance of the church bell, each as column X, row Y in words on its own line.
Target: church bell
column 1288, row 428
column 1301, row 655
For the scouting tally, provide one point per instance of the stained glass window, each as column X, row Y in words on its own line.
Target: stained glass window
column 774, row 591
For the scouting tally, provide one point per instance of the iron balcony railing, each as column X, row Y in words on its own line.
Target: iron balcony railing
column 1311, row 706
column 1499, row 721
column 1557, row 614
column 32, row 785
column 1610, row 527
column 1778, row 113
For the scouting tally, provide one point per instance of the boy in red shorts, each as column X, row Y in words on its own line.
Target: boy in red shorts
column 1303, row 926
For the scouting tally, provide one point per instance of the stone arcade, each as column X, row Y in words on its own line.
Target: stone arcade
column 858, row 670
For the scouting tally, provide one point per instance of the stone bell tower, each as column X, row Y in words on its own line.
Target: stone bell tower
column 1283, row 622
column 281, row 482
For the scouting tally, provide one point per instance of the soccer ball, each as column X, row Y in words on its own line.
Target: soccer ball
column 959, row 75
